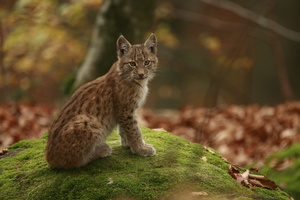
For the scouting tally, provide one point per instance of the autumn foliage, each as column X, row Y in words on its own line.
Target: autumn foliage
column 242, row 134
column 23, row 121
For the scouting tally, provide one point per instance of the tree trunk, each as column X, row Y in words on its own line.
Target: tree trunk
column 130, row 18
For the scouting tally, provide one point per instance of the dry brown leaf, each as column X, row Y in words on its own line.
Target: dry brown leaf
column 224, row 159
column 196, row 194
column 208, row 150
column 267, row 183
column 3, row 151
column 110, row 181
column 255, row 176
column 256, row 183
column 233, row 170
column 239, row 178
column 254, row 169
column 235, row 173
column 159, row 129
column 246, row 174
column 204, row 158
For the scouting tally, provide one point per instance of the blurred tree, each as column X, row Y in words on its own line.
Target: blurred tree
column 131, row 18
column 274, row 29
column 5, row 6
column 225, row 54
column 40, row 44
column 284, row 81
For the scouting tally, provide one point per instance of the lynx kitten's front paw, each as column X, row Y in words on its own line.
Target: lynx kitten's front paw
column 145, row 150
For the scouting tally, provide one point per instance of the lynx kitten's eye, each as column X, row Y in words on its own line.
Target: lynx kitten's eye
column 147, row 62
column 132, row 64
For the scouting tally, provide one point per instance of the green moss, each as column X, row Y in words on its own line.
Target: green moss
column 177, row 168
column 289, row 177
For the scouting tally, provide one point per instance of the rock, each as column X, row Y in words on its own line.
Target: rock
column 283, row 167
column 177, row 171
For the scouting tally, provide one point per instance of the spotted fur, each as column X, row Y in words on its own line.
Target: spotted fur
column 77, row 136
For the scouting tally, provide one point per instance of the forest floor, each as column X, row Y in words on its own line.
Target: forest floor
column 245, row 135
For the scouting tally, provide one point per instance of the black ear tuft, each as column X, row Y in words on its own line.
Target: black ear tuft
column 151, row 44
column 122, row 46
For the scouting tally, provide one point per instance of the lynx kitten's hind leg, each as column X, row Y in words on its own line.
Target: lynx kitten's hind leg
column 80, row 141
column 101, row 151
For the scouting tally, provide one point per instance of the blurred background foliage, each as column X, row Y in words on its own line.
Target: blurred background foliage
column 42, row 42
column 208, row 54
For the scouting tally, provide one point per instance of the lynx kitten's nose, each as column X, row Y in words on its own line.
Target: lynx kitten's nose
column 141, row 75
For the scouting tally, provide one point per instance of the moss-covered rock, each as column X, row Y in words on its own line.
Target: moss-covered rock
column 283, row 167
column 177, row 171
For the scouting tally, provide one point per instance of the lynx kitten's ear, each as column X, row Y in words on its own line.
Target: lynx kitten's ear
column 122, row 46
column 151, row 43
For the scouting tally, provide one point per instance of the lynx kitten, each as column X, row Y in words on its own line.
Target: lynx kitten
column 77, row 136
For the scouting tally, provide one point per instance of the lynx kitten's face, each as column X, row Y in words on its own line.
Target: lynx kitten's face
column 137, row 62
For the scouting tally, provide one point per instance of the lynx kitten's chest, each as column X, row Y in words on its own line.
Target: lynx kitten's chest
column 142, row 94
